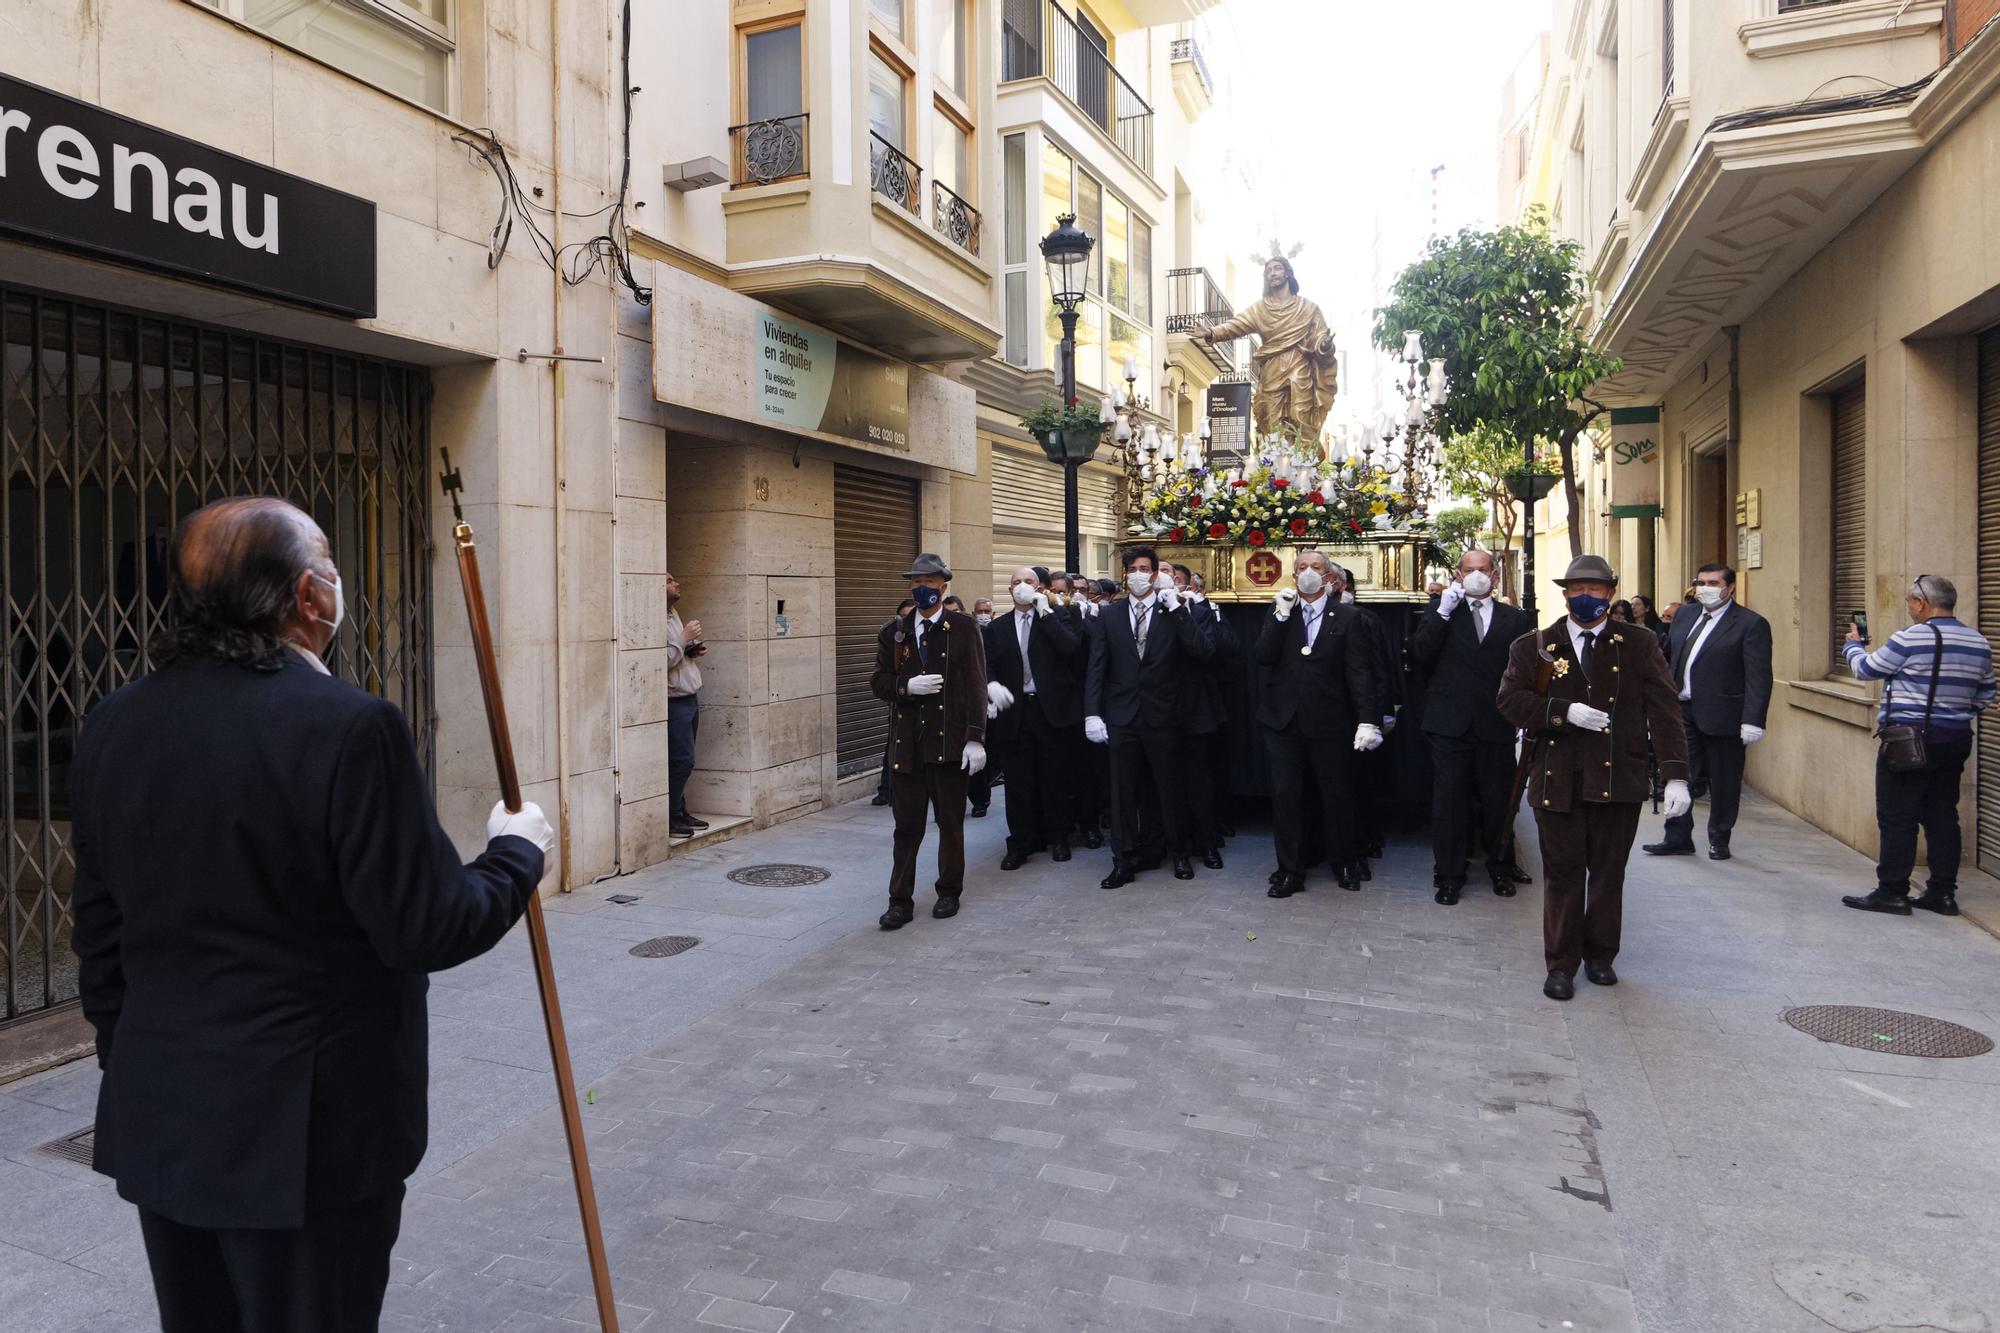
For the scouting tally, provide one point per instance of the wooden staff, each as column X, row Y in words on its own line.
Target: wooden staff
column 538, row 930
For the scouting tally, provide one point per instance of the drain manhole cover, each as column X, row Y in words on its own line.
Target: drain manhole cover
column 778, row 876
column 76, row 1147
column 1889, row 1030
column 663, row 946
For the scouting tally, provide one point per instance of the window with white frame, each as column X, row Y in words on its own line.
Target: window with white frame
column 403, row 46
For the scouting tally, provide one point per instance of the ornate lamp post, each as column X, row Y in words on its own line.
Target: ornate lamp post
column 1066, row 253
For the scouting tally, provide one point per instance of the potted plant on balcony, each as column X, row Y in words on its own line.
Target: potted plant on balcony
column 1530, row 483
column 1065, row 433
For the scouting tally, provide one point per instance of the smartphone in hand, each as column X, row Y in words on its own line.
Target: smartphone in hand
column 1860, row 619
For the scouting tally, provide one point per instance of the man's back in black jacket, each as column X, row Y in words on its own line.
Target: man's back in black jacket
column 262, row 887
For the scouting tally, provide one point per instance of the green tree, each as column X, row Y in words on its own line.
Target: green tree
column 1458, row 528
column 1477, row 464
column 1503, row 308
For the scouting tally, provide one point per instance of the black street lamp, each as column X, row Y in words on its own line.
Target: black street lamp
column 1066, row 252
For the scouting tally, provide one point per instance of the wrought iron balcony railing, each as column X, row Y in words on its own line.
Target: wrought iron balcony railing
column 895, row 174
column 954, row 219
column 1039, row 40
column 1193, row 303
column 1188, row 49
column 764, row 151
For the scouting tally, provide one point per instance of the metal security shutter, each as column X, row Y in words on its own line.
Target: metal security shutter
column 874, row 541
column 1850, row 511
column 1988, row 840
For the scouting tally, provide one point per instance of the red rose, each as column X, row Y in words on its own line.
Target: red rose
column 1280, row 484
column 1352, row 524
column 1317, row 498
column 1255, row 537
column 1298, row 527
column 1217, row 531
column 1239, row 483
column 1177, row 535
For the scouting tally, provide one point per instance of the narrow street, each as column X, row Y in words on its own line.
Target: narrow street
column 1174, row 1106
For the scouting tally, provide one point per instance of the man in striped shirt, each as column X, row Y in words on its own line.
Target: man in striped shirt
column 1936, row 643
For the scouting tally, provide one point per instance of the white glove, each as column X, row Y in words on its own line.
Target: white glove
column 1170, row 598
column 1590, row 719
column 1677, row 801
column 1094, row 731
column 974, row 757
column 528, row 822
column 998, row 698
column 1751, row 735
column 1448, row 602
column 1368, row 736
column 1088, row 607
column 926, row 684
column 1041, row 603
column 1162, row 581
column 1197, row 596
column 1388, row 723
column 1283, row 603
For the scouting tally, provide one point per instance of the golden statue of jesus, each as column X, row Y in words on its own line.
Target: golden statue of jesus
column 1294, row 364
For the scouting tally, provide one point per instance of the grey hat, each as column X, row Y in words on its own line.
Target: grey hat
column 929, row 564
column 1588, row 569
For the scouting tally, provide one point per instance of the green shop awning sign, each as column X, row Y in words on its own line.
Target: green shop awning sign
column 1635, row 462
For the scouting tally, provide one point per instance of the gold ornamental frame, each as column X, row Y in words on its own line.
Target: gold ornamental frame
column 1388, row 567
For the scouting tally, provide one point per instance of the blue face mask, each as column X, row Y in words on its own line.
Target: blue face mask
column 926, row 598
column 1587, row 608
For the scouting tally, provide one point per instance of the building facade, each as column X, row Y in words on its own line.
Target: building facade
column 1784, row 208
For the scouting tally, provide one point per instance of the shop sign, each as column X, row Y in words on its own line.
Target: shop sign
column 1228, row 408
column 79, row 177
column 808, row 379
column 1635, row 462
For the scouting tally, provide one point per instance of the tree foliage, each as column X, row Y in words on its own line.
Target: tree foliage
column 1503, row 308
column 1458, row 528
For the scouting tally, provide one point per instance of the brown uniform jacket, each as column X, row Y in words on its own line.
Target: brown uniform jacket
column 1571, row 764
column 932, row 729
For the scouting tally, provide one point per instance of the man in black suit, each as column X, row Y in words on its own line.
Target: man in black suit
column 1462, row 646
column 1720, row 653
column 261, row 889
column 1202, row 768
column 1033, row 706
column 1070, row 595
column 1319, row 704
column 1145, row 660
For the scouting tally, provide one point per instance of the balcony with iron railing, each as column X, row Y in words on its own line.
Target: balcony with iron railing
column 953, row 218
column 895, row 175
column 763, row 152
column 1038, row 40
column 1194, row 302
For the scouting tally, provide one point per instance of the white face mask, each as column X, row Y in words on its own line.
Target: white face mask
column 339, row 599
column 1347, row 599
column 1310, row 582
column 1477, row 584
column 1708, row 596
column 1139, row 582
column 984, row 618
column 1024, row 594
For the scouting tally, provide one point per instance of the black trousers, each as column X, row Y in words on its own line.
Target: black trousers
column 1144, row 764
column 1928, row 799
column 1200, row 775
column 1039, row 788
column 882, row 783
column 1584, row 851
column 979, row 787
column 934, row 789
column 325, row 1277
column 1312, row 799
column 1469, row 775
column 683, row 730
column 1717, row 761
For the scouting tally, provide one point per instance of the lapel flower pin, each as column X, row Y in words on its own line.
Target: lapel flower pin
column 1562, row 666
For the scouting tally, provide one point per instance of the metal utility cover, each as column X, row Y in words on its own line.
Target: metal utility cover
column 1888, row 1030
column 779, row 876
column 663, row 946
column 79, row 1147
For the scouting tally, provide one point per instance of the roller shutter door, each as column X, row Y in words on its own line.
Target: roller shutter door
column 1850, row 510
column 875, row 535
column 1989, row 589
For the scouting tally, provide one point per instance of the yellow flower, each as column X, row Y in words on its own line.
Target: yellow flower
column 1379, row 507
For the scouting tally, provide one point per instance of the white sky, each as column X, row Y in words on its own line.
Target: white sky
column 1347, row 104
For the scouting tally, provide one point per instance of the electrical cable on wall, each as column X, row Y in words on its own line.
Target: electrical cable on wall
column 579, row 260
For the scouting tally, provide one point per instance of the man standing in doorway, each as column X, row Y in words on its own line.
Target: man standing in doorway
column 1722, row 665
column 1462, row 646
column 931, row 669
column 1588, row 693
column 684, row 645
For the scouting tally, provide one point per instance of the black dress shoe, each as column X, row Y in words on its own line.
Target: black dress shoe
column 1013, row 860
column 946, row 907
column 1093, row 839
column 1276, row 875
column 692, row 822
column 1350, row 877
column 1212, row 859
column 898, row 916
column 1559, row 986
column 1183, row 868
column 880, row 799
column 1519, row 876
column 1600, row 974
column 1882, row 900
column 1447, row 895
column 1503, row 884
column 1942, row 901
column 676, row 829
column 1285, row 886
column 1059, row 852
column 979, row 811
column 1718, row 851
column 1363, row 870
column 1121, row 875
column 1669, row 849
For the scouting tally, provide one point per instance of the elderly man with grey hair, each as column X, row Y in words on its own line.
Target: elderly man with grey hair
column 1940, row 674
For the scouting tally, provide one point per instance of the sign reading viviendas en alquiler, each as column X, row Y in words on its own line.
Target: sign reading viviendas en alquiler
column 808, row 379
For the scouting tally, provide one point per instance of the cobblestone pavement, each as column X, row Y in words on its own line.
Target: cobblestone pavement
column 1176, row 1106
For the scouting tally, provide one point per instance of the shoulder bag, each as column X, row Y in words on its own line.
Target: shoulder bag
column 1903, row 746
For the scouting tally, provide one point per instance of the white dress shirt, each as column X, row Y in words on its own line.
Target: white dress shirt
column 1577, row 634
column 1699, row 640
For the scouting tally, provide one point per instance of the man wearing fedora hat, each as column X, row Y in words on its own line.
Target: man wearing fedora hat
column 930, row 667
column 1588, row 692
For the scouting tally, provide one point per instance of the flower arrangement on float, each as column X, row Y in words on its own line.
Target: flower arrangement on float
column 1274, row 498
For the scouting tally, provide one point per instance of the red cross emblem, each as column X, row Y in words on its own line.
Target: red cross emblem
column 1264, row 569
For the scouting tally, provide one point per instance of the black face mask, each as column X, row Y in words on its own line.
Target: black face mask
column 926, row 598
